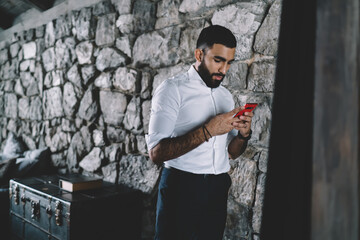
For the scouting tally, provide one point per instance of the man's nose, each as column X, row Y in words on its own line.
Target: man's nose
column 223, row 69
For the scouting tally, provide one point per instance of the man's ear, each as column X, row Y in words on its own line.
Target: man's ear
column 199, row 54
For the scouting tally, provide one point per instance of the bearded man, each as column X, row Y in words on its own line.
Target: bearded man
column 192, row 132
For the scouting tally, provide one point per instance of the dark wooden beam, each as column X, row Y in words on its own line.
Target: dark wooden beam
column 6, row 19
column 312, row 186
column 41, row 4
column 335, row 196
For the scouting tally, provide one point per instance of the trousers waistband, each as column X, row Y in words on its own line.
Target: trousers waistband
column 193, row 174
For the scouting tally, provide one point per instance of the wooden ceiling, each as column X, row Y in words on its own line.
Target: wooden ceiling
column 11, row 9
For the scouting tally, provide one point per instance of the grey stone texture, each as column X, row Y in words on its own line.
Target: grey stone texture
column 108, row 100
column 82, row 85
column 138, row 172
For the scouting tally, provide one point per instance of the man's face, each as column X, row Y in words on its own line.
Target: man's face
column 215, row 63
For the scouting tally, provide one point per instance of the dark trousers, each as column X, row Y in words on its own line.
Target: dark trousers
column 191, row 206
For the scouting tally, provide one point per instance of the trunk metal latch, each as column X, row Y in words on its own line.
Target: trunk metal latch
column 58, row 211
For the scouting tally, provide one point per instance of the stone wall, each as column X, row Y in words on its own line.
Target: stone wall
column 82, row 85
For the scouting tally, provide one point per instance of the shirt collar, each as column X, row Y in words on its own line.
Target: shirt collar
column 194, row 75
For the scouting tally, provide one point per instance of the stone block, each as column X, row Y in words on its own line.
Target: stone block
column 243, row 19
column 260, row 190
column 113, row 106
column 26, row 79
column 10, row 69
column 138, row 172
column 40, row 31
column 157, row 49
column 80, row 145
column 29, row 34
column 24, row 106
column 65, row 53
column 27, row 65
column 9, row 86
column 62, row 26
column 256, row 219
column 54, row 78
column 263, row 161
column 92, row 161
column 238, row 221
column 125, row 23
column 262, row 77
column 98, row 138
column 141, row 144
column 105, row 30
column 84, row 25
column 132, row 120
column 126, row 80
column 122, row 6
column 40, row 47
column 146, row 84
column 115, row 135
column 188, row 40
column 48, row 59
column 4, row 56
column 87, row 73
column 123, row 44
column 10, row 105
column 244, row 182
column 49, row 35
column 14, row 49
column 84, row 51
column 167, row 13
column 146, row 109
column 18, row 88
column 52, row 103
column 235, row 78
column 109, row 58
column 113, row 152
column 74, row 76
column 188, row 6
column 59, row 142
column 110, row 172
column 35, row 110
column 144, row 13
column 130, row 144
column 266, row 40
column 70, row 100
column 103, row 80
column 67, row 125
column 102, row 8
column 88, row 108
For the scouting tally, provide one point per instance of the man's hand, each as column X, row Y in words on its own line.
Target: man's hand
column 243, row 123
column 224, row 123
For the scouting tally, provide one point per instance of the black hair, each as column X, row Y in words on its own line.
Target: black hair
column 216, row 34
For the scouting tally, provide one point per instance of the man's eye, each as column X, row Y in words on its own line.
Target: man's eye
column 216, row 60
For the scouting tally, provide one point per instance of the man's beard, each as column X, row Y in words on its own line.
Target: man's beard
column 207, row 77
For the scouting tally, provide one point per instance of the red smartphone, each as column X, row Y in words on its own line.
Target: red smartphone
column 249, row 107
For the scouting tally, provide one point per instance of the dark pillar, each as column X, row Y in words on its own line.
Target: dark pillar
column 335, row 200
column 312, row 185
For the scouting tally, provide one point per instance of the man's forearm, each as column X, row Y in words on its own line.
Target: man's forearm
column 170, row 148
column 236, row 147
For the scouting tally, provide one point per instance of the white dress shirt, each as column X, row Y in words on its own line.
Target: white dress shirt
column 181, row 104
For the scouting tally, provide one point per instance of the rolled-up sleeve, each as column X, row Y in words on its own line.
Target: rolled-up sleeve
column 164, row 112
